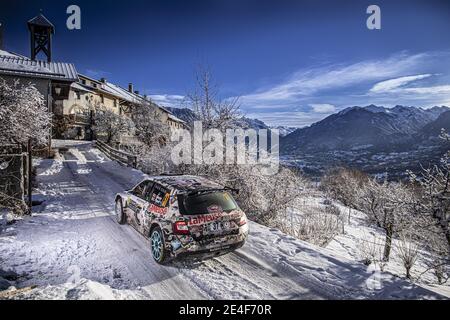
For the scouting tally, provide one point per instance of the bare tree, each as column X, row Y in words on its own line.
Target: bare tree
column 212, row 110
column 408, row 251
column 371, row 250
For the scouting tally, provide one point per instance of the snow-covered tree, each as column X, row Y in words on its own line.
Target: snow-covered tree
column 23, row 114
column 342, row 183
column 435, row 183
column 149, row 127
column 389, row 206
column 111, row 125
column 434, row 206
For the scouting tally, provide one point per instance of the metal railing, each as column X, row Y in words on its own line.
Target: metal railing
column 125, row 158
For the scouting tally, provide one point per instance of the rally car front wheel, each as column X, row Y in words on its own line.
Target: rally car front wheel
column 159, row 252
column 119, row 212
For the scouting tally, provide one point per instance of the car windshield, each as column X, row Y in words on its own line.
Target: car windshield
column 211, row 202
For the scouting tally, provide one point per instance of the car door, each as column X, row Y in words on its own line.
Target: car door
column 137, row 204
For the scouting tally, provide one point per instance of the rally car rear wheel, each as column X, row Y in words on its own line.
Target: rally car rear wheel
column 157, row 245
column 119, row 212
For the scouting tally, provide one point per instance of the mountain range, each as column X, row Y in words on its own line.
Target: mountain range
column 385, row 142
column 189, row 116
column 370, row 127
column 378, row 140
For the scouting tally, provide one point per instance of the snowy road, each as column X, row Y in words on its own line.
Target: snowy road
column 73, row 235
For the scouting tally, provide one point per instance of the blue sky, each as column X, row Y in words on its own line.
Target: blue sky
column 290, row 62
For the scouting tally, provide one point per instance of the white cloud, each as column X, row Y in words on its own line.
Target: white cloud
column 435, row 90
column 310, row 81
column 386, row 82
column 167, row 100
column 391, row 84
column 323, row 108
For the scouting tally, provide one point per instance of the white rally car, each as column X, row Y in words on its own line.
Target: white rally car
column 183, row 214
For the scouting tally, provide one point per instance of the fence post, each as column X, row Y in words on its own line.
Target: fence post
column 29, row 166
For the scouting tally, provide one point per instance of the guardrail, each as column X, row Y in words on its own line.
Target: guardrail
column 125, row 158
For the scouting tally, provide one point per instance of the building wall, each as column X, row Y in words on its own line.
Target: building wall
column 80, row 101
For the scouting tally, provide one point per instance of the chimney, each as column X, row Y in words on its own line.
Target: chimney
column 1, row 36
column 130, row 87
column 103, row 80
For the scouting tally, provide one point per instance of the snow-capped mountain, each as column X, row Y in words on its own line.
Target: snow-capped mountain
column 284, row 131
column 434, row 128
column 362, row 127
column 185, row 114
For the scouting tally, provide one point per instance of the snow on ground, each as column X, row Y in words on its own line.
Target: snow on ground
column 72, row 248
column 357, row 231
column 348, row 243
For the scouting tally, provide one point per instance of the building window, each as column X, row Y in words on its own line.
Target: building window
column 115, row 103
column 102, row 98
column 94, row 85
column 83, row 81
column 78, row 95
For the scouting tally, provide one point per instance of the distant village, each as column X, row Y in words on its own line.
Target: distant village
column 71, row 97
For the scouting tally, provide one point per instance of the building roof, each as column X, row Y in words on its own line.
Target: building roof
column 121, row 93
column 15, row 65
column 80, row 87
column 42, row 21
column 173, row 118
column 11, row 54
column 128, row 96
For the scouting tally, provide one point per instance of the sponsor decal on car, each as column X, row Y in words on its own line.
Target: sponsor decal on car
column 166, row 199
column 215, row 209
column 204, row 218
column 157, row 210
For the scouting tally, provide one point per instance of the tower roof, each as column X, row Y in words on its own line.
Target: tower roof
column 41, row 21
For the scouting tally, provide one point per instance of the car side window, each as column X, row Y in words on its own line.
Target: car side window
column 139, row 190
column 148, row 191
column 159, row 196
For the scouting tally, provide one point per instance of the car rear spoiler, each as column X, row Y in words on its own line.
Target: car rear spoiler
column 198, row 191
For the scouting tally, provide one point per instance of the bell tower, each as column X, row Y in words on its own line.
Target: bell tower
column 41, row 31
